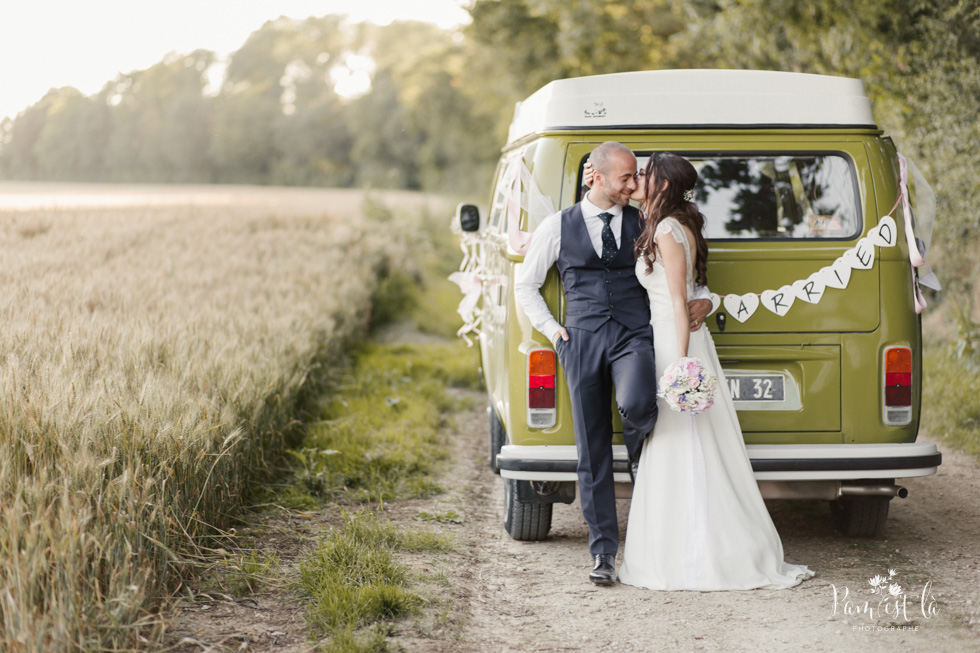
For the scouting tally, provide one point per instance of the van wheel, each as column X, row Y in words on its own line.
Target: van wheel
column 860, row 516
column 498, row 438
column 525, row 521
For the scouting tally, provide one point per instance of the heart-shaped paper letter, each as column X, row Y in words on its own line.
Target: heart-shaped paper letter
column 861, row 256
column 885, row 233
column 779, row 301
column 810, row 289
column 715, row 303
column 836, row 275
column 741, row 307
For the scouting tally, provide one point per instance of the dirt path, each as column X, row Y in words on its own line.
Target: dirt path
column 517, row 596
column 536, row 596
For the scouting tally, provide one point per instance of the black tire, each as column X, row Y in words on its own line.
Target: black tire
column 498, row 438
column 860, row 516
column 529, row 522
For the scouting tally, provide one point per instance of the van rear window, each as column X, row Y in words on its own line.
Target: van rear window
column 784, row 196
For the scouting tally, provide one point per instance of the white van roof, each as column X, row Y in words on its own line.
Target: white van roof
column 693, row 98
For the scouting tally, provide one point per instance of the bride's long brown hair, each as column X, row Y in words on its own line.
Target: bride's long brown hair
column 670, row 202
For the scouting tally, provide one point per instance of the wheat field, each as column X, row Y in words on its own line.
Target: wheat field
column 154, row 344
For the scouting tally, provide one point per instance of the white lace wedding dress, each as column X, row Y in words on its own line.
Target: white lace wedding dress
column 697, row 520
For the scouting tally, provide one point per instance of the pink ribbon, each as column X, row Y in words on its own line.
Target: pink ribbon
column 917, row 255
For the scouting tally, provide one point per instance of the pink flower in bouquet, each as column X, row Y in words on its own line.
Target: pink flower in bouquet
column 687, row 386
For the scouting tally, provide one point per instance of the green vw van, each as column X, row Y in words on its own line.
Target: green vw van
column 815, row 324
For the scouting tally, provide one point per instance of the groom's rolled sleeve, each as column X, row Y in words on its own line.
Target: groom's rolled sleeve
column 541, row 254
column 701, row 292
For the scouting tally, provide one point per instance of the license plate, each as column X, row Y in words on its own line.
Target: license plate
column 756, row 387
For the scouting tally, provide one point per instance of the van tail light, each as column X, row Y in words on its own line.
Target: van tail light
column 541, row 371
column 897, row 408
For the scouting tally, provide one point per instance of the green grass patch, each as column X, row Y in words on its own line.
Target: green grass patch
column 381, row 434
column 353, row 581
column 450, row 517
column 950, row 403
column 249, row 571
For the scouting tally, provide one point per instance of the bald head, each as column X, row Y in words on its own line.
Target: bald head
column 604, row 154
column 615, row 175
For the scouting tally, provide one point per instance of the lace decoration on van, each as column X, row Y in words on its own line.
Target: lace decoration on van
column 518, row 192
column 470, row 279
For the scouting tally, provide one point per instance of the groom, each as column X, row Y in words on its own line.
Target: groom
column 607, row 340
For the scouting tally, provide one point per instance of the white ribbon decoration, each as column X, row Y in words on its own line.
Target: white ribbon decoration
column 517, row 177
column 519, row 193
column 470, row 277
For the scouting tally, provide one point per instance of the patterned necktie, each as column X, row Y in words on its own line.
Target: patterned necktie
column 609, row 247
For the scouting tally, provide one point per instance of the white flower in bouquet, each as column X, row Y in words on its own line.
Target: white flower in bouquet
column 687, row 386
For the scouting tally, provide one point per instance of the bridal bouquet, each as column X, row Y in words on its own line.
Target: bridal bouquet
column 688, row 387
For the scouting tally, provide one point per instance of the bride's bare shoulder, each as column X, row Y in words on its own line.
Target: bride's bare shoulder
column 671, row 225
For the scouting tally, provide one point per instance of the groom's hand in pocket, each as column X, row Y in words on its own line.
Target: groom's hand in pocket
column 560, row 333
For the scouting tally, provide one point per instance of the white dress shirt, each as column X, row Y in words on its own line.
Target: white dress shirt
column 542, row 253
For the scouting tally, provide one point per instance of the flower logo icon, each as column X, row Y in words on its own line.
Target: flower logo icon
column 881, row 585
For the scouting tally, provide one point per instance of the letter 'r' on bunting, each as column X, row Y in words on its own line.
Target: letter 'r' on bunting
column 779, row 301
column 809, row 290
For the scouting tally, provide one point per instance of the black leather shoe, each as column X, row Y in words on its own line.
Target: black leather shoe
column 604, row 571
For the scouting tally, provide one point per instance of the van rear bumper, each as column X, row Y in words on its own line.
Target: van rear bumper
column 770, row 462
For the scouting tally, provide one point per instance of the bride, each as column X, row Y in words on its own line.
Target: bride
column 697, row 520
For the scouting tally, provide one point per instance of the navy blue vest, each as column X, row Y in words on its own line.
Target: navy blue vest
column 595, row 292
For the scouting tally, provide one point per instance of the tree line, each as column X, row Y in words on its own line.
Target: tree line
column 439, row 103
column 275, row 119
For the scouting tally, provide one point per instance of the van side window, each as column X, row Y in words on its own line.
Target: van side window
column 497, row 207
column 499, row 202
column 776, row 197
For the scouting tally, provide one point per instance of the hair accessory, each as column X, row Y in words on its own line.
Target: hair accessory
column 689, row 195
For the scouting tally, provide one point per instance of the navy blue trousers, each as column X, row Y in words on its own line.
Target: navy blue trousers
column 595, row 363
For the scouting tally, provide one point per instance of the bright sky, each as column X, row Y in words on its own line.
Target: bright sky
column 46, row 44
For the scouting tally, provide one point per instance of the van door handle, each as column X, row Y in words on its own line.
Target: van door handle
column 721, row 320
